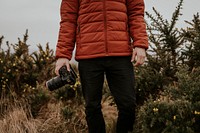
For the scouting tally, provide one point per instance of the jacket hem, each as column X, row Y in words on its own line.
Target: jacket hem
column 101, row 55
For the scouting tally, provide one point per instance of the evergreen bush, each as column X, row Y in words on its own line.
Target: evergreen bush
column 174, row 89
column 176, row 110
column 163, row 56
column 19, row 70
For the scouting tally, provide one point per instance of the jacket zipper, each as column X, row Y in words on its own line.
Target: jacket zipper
column 105, row 26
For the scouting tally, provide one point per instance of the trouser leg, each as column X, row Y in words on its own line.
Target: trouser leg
column 120, row 77
column 92, row 78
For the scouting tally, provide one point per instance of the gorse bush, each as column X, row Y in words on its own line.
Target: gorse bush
column 19, row 70
column 176, row 110
column 163, row 57
column 170, row 77
column 191, row 53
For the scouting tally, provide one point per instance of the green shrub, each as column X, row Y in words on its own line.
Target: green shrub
column 166, row 117
column 19, row 70
column 171, row 76
column 163, row 56
column 177, row 110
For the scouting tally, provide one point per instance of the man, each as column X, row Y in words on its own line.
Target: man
column 103, row 31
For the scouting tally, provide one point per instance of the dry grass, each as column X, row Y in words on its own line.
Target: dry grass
column 53, row 117
column 110, row 114
column 15, row 118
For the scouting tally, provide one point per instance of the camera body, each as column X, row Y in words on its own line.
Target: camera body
column 65, row 77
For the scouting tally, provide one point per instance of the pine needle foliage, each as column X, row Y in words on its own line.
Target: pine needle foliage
column 164, row 55
column 191, row 53
column 20, row 70
column 173, row 65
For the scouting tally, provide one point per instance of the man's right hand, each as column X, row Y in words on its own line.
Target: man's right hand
column 61, row 62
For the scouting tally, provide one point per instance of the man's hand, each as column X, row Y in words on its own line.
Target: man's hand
column 61, row 62
column 139, row 55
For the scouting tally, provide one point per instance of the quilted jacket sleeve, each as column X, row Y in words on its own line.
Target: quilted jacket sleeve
column 136, row 23
column 67, row 32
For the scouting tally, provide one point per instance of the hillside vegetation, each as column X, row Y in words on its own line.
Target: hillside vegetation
column 168, row 85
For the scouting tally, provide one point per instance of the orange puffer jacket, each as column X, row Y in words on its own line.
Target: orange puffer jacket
column 101, row 28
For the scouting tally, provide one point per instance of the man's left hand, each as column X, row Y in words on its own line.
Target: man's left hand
column 138, row 55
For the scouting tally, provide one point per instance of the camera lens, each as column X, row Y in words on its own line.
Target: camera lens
column 55, row 83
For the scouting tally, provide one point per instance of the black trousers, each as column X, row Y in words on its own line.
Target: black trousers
column 120, row 77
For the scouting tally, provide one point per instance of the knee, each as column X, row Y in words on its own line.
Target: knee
column 92, row 108
column 127, row 108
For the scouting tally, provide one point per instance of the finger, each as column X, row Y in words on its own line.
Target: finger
column 57, row 68
column 57, row 71
column 133, row 56
column 137, row 63
column 140, row 60
column 68, row 66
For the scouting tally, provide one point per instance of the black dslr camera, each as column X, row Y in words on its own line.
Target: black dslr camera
column 65, row 77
